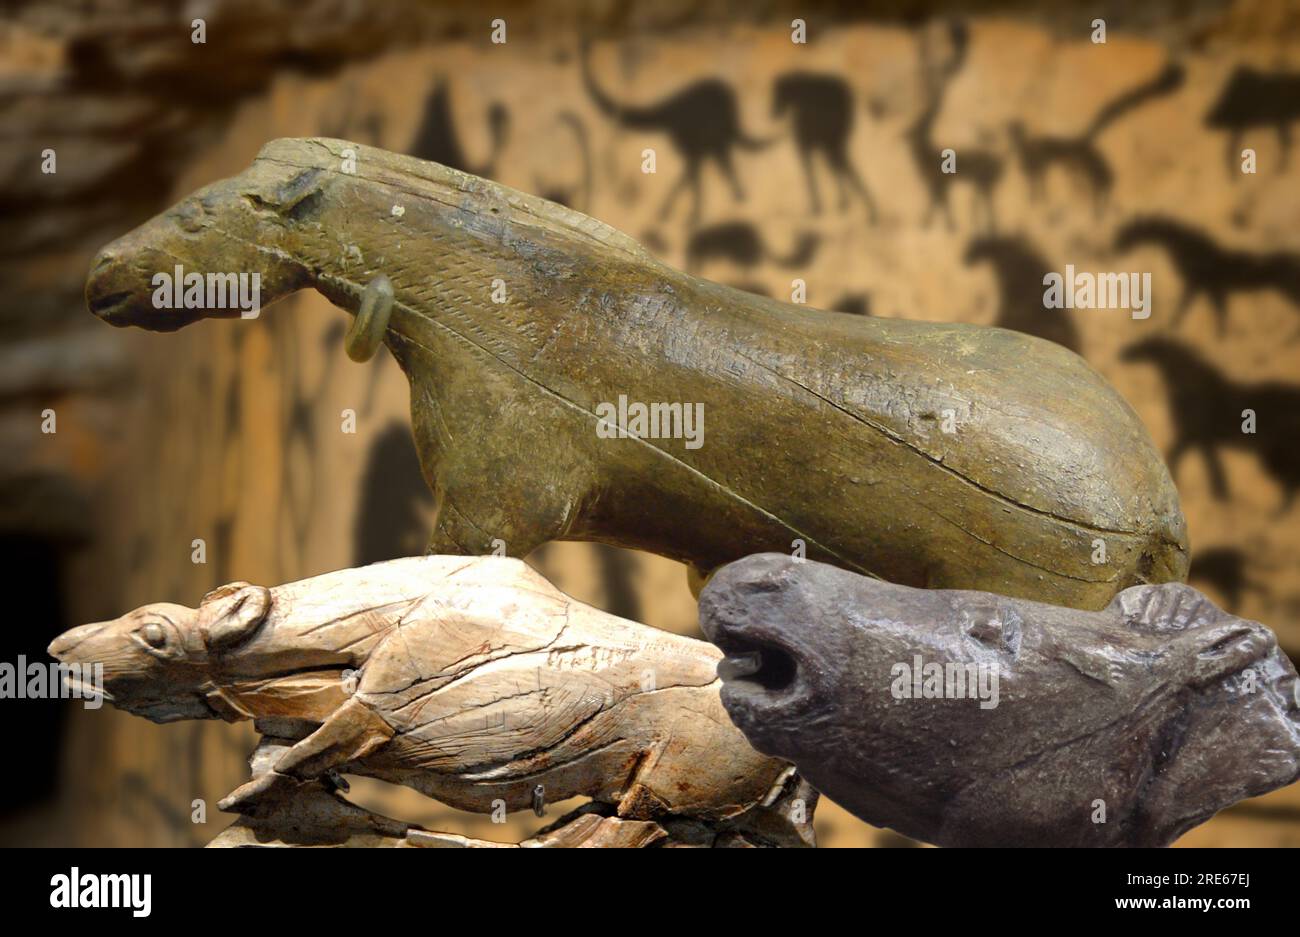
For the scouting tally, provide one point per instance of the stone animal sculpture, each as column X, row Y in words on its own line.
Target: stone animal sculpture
column 964, row 718
column 471, row 680
column 931, row 454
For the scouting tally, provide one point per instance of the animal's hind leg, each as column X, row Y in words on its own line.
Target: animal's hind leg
column 1100, row 200
column 1221, row 311
column 729, row 170
column 1184, row 303
column 845, row 169
column 1218, row 480
column 350, row 733
column 682, row 181
column 696, row 580
column 984, row 199
column 805, row 157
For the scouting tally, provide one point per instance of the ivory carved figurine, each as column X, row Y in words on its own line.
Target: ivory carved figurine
column 471, row 680
column 929, row 454
column 969, row 719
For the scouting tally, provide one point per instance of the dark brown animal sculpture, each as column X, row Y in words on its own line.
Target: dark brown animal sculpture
column 971, row 719
column 553, row 364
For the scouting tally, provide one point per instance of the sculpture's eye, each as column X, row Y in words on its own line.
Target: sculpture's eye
column 998, row 628
column 153, row 634
column 189, row 215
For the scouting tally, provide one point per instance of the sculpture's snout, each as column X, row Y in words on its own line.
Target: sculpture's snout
column 121, row 287
column 104, row 292
column 62, row 647
column 216, row 254
column 767, row 672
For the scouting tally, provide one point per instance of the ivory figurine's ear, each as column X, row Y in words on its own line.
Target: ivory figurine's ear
column 231, row 613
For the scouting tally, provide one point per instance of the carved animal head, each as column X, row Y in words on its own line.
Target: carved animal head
column 198, row 250
column 157, row 659
column 316, row 212
column 1161, row 705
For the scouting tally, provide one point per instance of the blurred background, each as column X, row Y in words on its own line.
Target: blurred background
column 1123, row 155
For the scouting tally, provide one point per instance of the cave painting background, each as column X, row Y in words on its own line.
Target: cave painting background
column 775, row 161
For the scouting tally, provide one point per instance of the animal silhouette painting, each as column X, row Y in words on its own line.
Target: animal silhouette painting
column 437, row 139
column 1208, row 411
column 1211, row 270
column 1254, row 98
column 978, row 167
column 740, row 243
column 703, row 122
column 821, row 113
column 1019, row 270
column 1079, row 154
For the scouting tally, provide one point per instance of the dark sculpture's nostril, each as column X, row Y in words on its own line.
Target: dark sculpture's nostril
column 103, row 260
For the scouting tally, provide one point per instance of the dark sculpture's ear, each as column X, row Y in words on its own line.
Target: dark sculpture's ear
column 1223, row 649
column 1169, row 606
column 231, row 613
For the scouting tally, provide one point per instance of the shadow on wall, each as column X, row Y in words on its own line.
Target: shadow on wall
column 394, row 502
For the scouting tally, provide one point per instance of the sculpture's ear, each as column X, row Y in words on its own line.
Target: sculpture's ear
column 231, row 613
column 1167, row 607
column 286, row 195
column 1223, row 649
